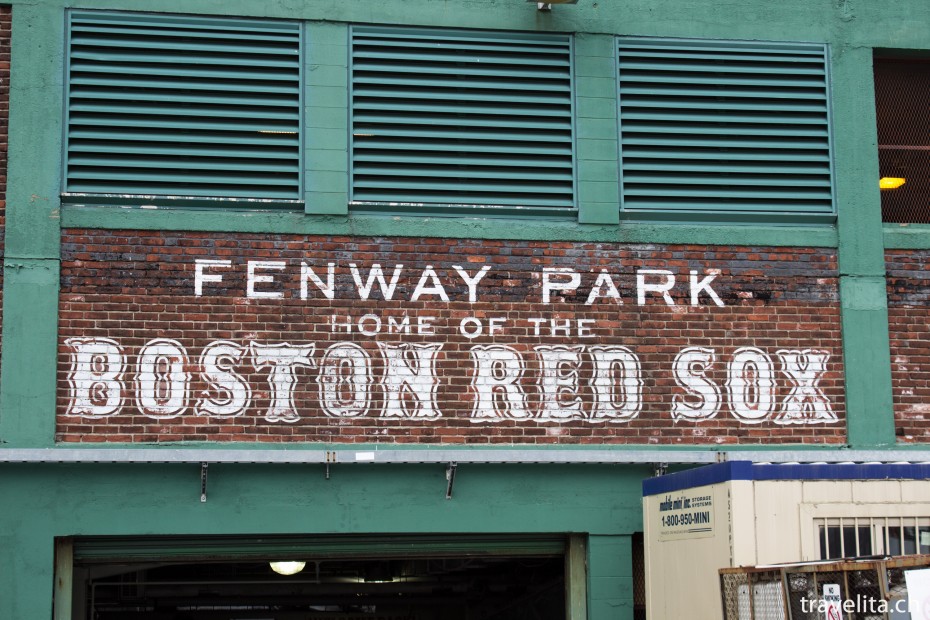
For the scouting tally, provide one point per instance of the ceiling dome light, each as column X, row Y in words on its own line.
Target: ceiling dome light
column 287, row 568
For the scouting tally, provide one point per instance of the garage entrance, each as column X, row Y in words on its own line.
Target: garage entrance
column 348, row 578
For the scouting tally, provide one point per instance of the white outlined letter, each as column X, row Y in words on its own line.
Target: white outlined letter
column 617, row 384
column 162, row 383
column 702, row 400
column 345, row 381
column 558, row 382
column 806, row 403
column 232, row 393
column 282, row 359
column 496, row 384
column 751, row 385
column 410, row 380
column 95, row 378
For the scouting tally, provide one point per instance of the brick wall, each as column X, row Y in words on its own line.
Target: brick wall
column 909, row 318
column 639, row 344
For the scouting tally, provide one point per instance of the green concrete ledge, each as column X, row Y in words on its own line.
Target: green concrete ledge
column 119, row 218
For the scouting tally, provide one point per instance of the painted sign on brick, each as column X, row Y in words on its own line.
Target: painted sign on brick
column 274, row 338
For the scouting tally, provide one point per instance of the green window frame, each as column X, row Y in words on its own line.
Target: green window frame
column 446, row 121
column 185, row 110
column 725, row 130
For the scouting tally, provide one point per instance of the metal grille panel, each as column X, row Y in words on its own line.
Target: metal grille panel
column 164, row 105
column 725, row 127
column 869, row 590
column 445, row 120
column 902, row 92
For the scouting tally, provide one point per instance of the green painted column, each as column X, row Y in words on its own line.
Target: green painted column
column 31, row 268
column 26, row 572
column 610, row 578
column 863, row 296
column 597, row 133
column 326, row 114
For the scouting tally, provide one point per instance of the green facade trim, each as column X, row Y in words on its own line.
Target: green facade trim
column 906, row 236
column 451, row 227
column 35, row 136
column 610, row 577
column 248, row 500
column 867, row 361
column 326, row 141
column 596, row 151
column 30, row 350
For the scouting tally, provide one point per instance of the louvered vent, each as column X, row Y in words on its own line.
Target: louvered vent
column 446, row 120
column 725, row 128
column 183, row 107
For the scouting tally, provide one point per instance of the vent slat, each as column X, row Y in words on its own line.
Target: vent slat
column 162, row 105
column 449, row 118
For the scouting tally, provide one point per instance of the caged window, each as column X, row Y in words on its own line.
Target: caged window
column 902, row 93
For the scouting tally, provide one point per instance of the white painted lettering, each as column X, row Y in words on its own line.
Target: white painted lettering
column 702, row 398
column 254, row 278
column 661, row 287
column 597, row 291
column 496, row 384
column 200, row 277
column 751, row 385
column 558, row 279
column 472, row 281
column 375, row 275
column 558, row 382
column 95, row 377
column 345, row 381
column 162, row 383
column 410, row 382
column 307, row 274
column 704, row 285
column 806, row 403
column 231, row 393
column 433, row 288
column 617, row 384
column 283, row 359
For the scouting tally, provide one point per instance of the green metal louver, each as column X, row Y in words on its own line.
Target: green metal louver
column 723, row 128
column 183, row 106
column 447, row 120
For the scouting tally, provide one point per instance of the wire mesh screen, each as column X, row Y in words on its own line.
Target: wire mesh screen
column 639, row 577
column 750, row 595
column 868, row 590
column 902, row 94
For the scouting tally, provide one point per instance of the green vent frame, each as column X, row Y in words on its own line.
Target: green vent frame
column 725, row 130
column 450, row 121
column 183, row 110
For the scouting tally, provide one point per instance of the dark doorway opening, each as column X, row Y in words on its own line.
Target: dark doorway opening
column 382, row 588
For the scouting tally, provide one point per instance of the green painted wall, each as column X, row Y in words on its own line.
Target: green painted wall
column 55, row 500
column 87, row 499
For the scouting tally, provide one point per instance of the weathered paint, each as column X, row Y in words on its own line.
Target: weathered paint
column 551, row 342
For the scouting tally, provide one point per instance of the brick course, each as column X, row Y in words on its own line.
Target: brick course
column 132, row 287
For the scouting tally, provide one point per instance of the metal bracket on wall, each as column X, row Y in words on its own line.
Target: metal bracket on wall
column 659, row 469
column 450, row 478
column 203, row 482
column 330, row 458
